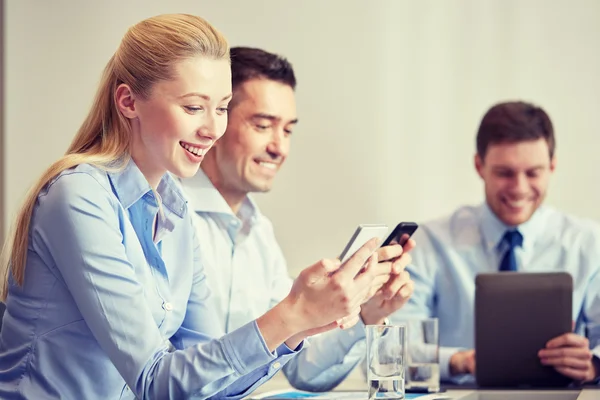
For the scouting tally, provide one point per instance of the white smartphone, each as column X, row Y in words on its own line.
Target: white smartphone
column 362, row 235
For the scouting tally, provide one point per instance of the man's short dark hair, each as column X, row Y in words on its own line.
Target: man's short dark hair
column 249, row 63
column 513, row 122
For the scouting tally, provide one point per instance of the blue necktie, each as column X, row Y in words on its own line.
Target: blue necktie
column 513, row 239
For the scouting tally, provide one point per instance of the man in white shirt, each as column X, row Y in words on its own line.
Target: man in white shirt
column 511, row 230
column 242, row 259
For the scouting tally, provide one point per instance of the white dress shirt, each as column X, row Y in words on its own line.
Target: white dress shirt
column 248, row 275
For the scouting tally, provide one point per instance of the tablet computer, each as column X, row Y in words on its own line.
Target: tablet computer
column 516, row 313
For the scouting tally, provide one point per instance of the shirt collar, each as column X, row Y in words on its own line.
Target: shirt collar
column 205, row 198
column 130, row 185
column 493, row 229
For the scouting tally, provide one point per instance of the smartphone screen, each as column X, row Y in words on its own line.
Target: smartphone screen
column 401, row 233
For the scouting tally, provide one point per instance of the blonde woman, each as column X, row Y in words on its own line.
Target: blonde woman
column 105, row 295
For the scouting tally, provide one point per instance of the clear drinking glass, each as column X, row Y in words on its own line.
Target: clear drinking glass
column 423, row 361
column 386, row 355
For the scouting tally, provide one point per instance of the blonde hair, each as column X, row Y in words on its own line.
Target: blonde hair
column 145, row 56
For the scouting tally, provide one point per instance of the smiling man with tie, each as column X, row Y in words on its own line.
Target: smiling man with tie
column 510, row 231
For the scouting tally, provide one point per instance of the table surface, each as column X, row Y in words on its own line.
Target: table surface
column 356, row 383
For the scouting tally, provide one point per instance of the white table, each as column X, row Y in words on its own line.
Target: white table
column 356, row 382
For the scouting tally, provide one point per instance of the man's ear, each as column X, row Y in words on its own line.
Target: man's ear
column 125, row 100
column 553, row 163
column 478, row 165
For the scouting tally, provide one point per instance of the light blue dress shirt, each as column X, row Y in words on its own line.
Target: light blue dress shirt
column 106, row 312
column 450, row 252
column 248, row 275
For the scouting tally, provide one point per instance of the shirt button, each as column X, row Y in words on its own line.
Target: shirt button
column 168, row 306
column 276, row 365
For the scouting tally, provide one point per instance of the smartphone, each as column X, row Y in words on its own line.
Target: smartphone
column 401, row 233
column 362, row 235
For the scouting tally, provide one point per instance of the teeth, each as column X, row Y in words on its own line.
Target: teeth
column 517, row 204
column 268, row 165
column 194, row 150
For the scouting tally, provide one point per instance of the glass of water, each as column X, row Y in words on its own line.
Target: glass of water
column 386, row 355
column 423, row 361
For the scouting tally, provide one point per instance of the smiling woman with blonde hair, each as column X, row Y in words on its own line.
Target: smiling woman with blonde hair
column 105, row 294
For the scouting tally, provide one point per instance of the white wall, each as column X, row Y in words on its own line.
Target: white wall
column 390, row 95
